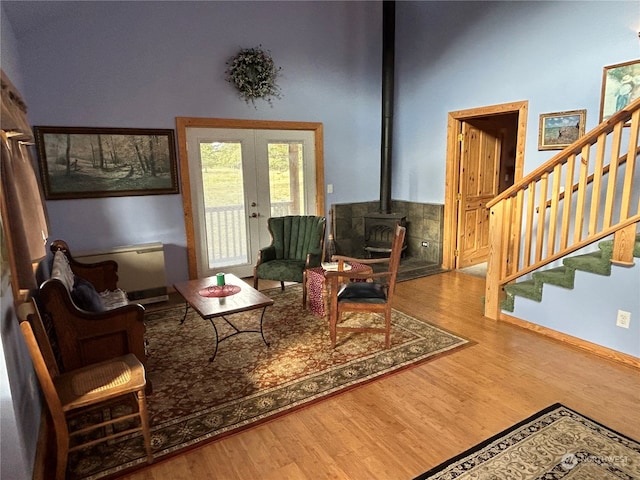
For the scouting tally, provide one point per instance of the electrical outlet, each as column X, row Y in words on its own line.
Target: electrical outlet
column 330, row 188
column 425, row 244
column 624, row 319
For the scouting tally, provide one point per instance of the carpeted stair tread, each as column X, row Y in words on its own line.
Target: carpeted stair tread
column 528, row 288
column 594, row 262
column 559, row 276
column 598, row 262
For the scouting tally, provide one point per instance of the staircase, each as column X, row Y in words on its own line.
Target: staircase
column 585, row 194
column 598, row 262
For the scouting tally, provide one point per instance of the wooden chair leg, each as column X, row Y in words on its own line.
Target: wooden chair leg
column 255, row 282
column 144, row 421
column 304, row 289
column 282, row 286
column 333, row 323
column 62, row 445
column 387, row 330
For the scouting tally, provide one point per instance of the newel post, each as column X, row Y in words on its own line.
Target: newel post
column 623, row 243
column 493, row 287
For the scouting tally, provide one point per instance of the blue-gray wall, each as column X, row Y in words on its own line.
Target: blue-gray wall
column 141, row 64
column 461, row 55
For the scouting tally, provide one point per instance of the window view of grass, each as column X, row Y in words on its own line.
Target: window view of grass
column 223, row 190
column 222, row 174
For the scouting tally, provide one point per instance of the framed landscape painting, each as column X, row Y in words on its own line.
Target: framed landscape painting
column 620, row 87
column 83, row 162
column 561, row 129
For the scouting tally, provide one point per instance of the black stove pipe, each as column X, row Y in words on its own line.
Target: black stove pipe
column 388, row 52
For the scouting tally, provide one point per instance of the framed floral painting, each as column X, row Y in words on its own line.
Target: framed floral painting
column 620, row 87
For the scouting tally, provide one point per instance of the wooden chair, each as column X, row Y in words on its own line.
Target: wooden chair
column 74, row 392
column 372, row 293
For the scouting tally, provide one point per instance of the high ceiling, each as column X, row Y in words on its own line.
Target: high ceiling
column 27, row 15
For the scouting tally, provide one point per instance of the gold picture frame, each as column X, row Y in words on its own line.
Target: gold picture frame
column 620, row 86
column 559, row 130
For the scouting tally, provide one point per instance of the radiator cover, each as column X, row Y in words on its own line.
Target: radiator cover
column 141, row 270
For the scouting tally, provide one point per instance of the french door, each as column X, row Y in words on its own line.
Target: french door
column 238, row 178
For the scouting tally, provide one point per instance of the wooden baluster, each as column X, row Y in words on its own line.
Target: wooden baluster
column 567, row 201
column 528, row 233
column 542, row 211
column 516, row 231
column 508, row 265
column 553, row 215
column 627, row 188
column 596, row 187
column 613, row 176
column 581, row 194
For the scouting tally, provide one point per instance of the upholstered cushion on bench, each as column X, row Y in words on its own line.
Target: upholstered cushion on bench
column 85, row 296
column 82, row 292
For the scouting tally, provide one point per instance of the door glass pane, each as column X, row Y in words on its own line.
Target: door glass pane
column 286, row 178
column 224, row 218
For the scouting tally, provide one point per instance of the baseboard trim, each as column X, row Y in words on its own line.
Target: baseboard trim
column 574, row 341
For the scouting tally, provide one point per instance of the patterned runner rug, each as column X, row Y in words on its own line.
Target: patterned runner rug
column 556, row 443
column 195, row 401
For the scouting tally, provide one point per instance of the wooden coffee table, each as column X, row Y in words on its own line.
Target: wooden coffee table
column 200, row 294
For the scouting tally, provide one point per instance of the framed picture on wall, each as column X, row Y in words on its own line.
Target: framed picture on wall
column 620, row 87
column 83, row 162
column 561, row 129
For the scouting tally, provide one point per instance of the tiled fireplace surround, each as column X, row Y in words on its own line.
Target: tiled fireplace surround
column 424, row 224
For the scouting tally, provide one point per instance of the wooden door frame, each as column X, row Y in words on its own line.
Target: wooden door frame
column 182, row 123
column 453, row 159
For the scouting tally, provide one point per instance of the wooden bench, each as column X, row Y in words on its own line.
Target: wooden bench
column 91, row 318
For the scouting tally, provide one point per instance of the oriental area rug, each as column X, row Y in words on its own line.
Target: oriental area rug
column 195, row 401
column 556, row 443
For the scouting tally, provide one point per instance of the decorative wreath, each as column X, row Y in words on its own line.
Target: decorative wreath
column 253, row 72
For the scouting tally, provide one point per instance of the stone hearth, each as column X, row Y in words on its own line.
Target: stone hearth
column 424, row 223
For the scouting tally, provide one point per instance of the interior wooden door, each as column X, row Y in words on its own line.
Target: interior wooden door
column 479, row 183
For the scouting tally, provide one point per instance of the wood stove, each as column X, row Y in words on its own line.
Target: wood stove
column 379, row 231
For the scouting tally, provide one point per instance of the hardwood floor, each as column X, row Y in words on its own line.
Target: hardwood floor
column 408, row 422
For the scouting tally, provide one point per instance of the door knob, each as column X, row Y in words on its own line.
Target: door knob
column 255, row 215
column 253, row 204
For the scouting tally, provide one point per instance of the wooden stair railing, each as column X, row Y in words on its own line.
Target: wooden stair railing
column 621, row 161
column 525, row 235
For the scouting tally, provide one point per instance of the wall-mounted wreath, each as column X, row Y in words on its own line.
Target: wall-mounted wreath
column 253, row 72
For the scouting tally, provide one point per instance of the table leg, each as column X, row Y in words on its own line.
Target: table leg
column 186, row 309
column 215, row 351
column 261, row 329
column 237, row 331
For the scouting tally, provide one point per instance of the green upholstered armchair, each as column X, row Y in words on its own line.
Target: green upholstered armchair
column 297, row 243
